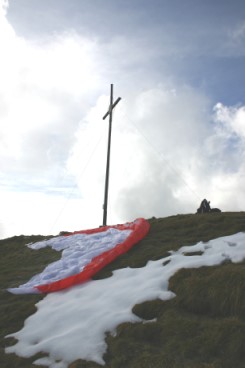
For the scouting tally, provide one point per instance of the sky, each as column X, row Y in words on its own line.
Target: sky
column 57, row 328
column 178, row 132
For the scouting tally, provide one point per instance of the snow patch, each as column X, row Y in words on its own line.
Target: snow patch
column 72, row 324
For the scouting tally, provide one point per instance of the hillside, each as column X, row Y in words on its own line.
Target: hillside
column 202, row 327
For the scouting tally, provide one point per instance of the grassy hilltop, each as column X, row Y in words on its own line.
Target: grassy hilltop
column 202, row 327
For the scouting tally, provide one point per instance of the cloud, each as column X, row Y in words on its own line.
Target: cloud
column 226, row 143
column 159, row 163
column 232, row 120
column 41, row 85
column 168, row 153
column 4, row 4
column 169, row 148
column 226, row 154
column 47, row 86
column 34, row 213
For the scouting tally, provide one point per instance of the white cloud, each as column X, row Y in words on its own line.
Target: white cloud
column 167, row 155
column 40, row 213
column 46, row 87
column 168, row 152
column 232, row 119
column 41, row 85
column 227, row 153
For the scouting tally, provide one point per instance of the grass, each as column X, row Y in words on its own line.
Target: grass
column 202, row 327
column 18, row 264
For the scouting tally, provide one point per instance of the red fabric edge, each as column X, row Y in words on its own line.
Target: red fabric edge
column 139, row 227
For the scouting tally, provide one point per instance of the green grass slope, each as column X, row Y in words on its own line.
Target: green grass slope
column 202, row 327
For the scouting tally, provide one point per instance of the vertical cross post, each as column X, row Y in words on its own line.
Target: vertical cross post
column 109, row 112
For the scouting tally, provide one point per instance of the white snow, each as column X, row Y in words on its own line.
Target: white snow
column 77, row 251
column 72, row 324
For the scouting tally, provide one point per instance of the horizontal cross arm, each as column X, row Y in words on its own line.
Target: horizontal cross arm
column 111, row 108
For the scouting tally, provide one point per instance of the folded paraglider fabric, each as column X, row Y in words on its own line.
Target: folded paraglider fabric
column 84, row 253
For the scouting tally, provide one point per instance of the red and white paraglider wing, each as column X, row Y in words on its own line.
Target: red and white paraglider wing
column 84, row 253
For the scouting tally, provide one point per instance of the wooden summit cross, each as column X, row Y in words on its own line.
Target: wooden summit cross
column 109, row 112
